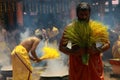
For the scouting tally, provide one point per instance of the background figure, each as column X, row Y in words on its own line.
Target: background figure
column 5, row 58
column 87, row 40
column 113, row 36
column 116, row 49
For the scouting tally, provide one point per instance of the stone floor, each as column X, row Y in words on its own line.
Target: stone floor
column 109, row 75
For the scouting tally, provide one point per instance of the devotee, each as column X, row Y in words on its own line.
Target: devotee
column 87, row 40
column 21, row 57
column 116, row 49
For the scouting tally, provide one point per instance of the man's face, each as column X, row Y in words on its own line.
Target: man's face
column 83, row 15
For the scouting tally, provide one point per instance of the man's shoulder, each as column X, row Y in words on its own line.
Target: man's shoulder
column 32, row 38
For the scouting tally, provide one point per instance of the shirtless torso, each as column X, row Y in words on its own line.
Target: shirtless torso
column 31, row 44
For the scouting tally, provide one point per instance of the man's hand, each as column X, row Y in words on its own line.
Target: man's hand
column 38, row 60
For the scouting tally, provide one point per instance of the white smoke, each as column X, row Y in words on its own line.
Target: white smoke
column 56, row 67
column 5, row 51
column 25, row 35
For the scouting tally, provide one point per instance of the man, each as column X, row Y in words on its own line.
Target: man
column 88, row 39
column 21, row 56
column 116, row 49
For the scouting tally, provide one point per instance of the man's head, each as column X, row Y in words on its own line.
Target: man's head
column 83, row 11
column 38, row 33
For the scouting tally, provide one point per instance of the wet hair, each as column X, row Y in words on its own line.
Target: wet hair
column 83, row 6
column 38, row 33
column 39, row 36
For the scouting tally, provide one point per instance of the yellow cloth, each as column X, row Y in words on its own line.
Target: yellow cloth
column 50, row 53
column 21, row 65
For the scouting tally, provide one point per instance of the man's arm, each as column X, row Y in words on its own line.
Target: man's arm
column 31, row 58
column 63, row 48
column 106, row 46
column 98, row 50
column 34, row 46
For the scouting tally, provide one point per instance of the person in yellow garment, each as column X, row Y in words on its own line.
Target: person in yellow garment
column 21, row 57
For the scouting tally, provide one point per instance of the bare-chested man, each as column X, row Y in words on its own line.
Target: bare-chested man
column 21, row 57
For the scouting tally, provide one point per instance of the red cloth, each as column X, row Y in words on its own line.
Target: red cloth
column 93, row 71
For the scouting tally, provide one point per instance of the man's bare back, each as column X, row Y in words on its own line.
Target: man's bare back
column 31, row 44
column 28, row 43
